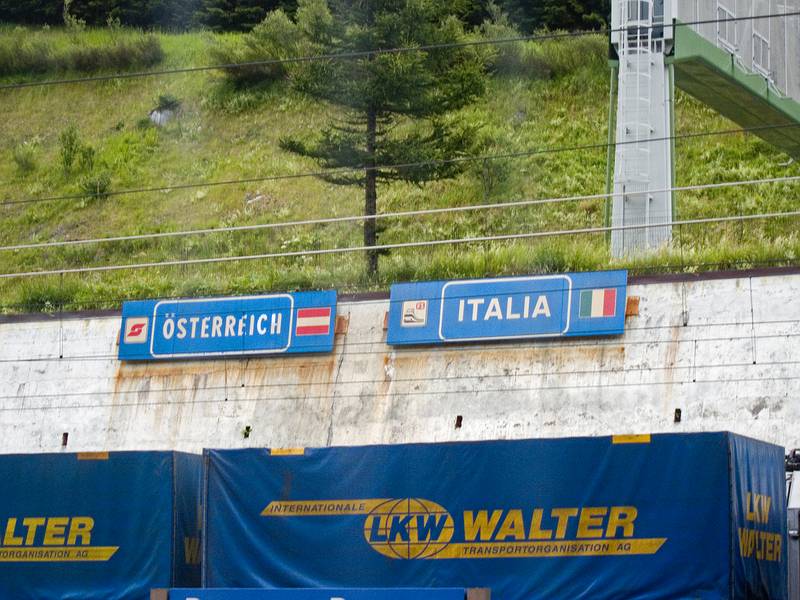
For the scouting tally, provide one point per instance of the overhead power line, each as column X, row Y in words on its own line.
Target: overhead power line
column 392, row 215
column 479, row 390
column 401, row 166
column 396, row 246
column 481, row 377
column 380, row 51
column 367, row 348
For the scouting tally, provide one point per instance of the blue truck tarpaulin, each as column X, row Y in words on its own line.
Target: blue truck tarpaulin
column 98, row 526
column 319, row 594
column 646, row 517
column 508, row 308
column 291, row 323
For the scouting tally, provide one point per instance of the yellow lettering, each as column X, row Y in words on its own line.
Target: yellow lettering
column 766, row 504
column 621, row 517
column 749, row 515
column 54, row 531
column 770, row 548
column 32, row 523
column 743, row 542
column 481, row 525
column 763, row 545
column 513, row 526
column 590, row 524
column 563, row 515
column 80, row 527
column 9, row 539
column 537, row 533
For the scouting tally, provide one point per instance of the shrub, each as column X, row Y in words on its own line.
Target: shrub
column 25, row 156
column 23, row 52
column 70, row 148
column 86, row 158
column 144, row 51
column 568, row 55
column 168, row 102
column 276, row 37
column 96, row 185
column 511, row 58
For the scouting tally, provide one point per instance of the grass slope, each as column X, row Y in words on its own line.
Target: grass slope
column 224, row 134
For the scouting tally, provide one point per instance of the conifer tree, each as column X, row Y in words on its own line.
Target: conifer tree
column 399, row 107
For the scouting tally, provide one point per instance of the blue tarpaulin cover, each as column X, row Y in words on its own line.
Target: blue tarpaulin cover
column 98, row 526
column 646, row 517
column 318, row 594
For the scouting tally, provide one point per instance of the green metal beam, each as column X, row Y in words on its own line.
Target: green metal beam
column 712, row 76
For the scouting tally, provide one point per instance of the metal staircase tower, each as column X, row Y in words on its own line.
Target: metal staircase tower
column 643, row 168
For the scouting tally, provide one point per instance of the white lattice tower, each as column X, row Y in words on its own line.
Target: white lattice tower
column 643, row 153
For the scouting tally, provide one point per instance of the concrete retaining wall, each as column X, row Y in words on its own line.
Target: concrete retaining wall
column 724, row 352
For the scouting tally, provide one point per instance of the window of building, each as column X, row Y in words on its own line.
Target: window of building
column 761, row 62
column 726, row 29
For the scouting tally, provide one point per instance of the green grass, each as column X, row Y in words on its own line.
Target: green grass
column 25, row 52
column 557, row 97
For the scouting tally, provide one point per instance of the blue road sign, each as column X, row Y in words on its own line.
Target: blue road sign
column 569, row 304
column 239, row 326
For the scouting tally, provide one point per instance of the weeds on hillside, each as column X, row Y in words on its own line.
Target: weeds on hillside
column 27, row 52
column 235, row 133
column 25, row 156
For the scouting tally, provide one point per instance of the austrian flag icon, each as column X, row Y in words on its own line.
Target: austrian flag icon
column 313, row 321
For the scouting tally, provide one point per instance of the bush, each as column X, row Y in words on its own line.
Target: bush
column 25, row 156
column 23, row 52
column 86, row 158
column 144, row 51
column 276, row 37
column 512, row 58
column 168, row 102
column 70, row 148
column 96, row 185
column 568, row 55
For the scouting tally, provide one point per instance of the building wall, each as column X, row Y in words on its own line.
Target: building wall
column 725, row 352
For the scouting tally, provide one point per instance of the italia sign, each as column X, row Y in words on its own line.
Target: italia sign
column 571, row 304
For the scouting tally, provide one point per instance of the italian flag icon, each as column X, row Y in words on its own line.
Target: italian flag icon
column 598, row 303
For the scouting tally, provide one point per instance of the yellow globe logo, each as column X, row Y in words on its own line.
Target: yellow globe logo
column 408, row 528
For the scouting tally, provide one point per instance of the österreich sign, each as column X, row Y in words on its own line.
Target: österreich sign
column 214, row 327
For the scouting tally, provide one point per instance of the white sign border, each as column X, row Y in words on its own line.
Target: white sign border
column 504, row 280
column 232, row 352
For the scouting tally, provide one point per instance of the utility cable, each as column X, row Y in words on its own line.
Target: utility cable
column 402, row 166
column 396, row 246
column 385, row 51
column 366, row 348
column 401, row 380
column 354, row 396
column 393, row 215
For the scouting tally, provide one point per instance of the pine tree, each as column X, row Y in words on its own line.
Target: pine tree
column 398, row 106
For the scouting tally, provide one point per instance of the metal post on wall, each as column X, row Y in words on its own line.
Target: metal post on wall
column 611, row 150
